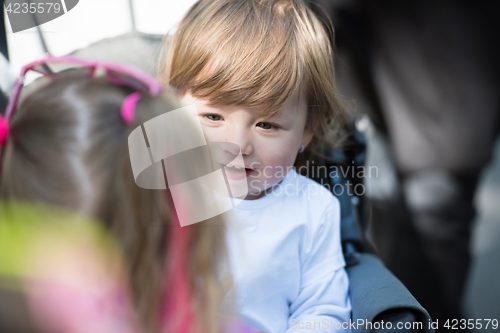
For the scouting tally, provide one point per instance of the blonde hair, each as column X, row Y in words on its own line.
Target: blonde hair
column 254, row 53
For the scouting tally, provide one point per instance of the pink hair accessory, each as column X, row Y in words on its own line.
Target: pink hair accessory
column 128, row 107
column 4, row 130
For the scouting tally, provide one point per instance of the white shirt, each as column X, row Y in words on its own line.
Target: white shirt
column 286, row 259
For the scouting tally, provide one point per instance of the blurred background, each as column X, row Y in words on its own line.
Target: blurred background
column 482, row 297
column 91, row 21
column 94, row 20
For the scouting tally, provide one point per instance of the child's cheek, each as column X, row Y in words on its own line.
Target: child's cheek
column 278, row 165
column 282, row 155
column 214, row 134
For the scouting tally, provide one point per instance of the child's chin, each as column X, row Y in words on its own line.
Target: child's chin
column 253, row 196
column 239, row 188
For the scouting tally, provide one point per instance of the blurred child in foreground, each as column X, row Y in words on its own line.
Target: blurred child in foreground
column 66, row 146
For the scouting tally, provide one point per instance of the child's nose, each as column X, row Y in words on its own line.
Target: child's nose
column 242, row 140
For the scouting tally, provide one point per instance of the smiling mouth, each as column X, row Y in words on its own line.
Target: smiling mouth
column 232, row 170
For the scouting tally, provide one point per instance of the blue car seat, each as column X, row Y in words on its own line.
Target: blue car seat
column 377, row 295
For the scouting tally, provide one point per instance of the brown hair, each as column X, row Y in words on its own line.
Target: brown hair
column 68, row 147
column 257, row 52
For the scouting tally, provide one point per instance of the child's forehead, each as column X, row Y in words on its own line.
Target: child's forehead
column 293, row 107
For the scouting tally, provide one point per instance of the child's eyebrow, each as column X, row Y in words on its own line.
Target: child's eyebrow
column 211, row 109
column 277, row 117
column 204, row 109
column 207, row 107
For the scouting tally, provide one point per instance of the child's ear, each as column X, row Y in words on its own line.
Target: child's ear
column 307, row 136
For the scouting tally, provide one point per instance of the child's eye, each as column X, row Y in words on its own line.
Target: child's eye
column 266, row 126
column 213, row 117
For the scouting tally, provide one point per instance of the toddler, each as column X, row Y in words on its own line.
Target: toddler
column 260, row 74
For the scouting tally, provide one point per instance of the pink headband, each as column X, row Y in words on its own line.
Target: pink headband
column 127, row 111
column 4, row 130
column 128, row 107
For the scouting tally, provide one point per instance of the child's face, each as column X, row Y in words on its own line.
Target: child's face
column 269, row 147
